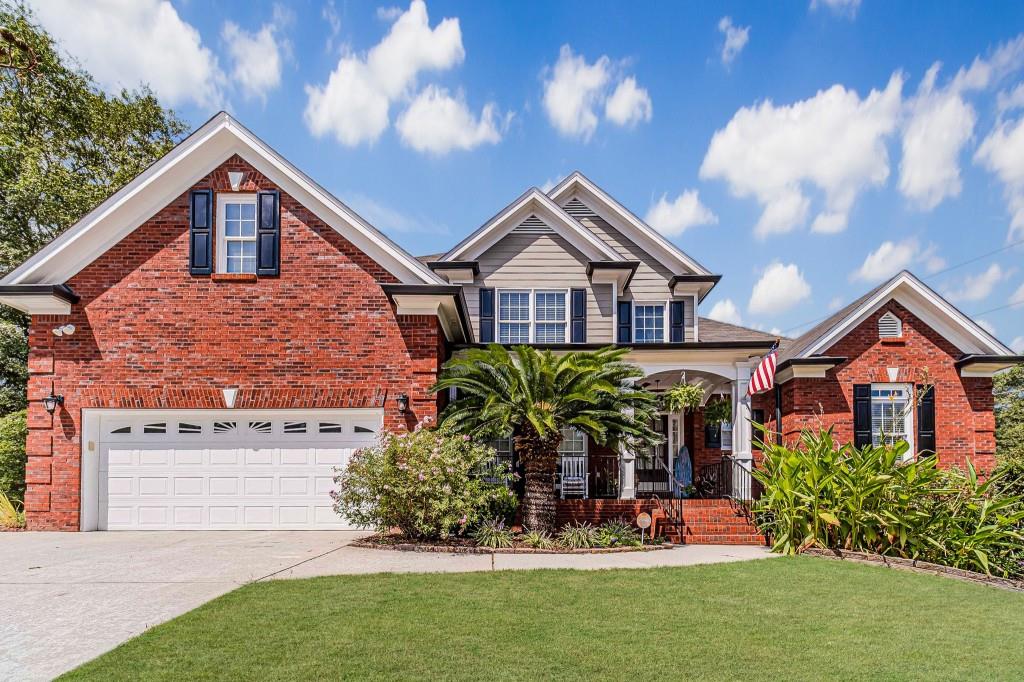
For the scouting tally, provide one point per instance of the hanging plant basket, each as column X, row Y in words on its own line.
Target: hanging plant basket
column 718, row 411
column 683, row 397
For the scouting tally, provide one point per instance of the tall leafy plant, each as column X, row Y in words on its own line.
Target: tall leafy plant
column 533, row 395
column 874, row 499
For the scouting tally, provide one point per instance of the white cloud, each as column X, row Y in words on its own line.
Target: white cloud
column 834, row 141
column 726, row 311
column 978, row 287
column 354, row 104
column 891, row 257
column 836, row 303
column 258, row 57
column 847, row 8
column 1002, row 153
column 629, row 104
column 392, row 220
column 1018, row 296
column 780, row 288
column 671, row 218
column 437, row 123
column 388, row 14
column 1017, row 344
column 574, row 91
column 736, row 38
column 986, row 325
column 329, row 14
column 124, row 43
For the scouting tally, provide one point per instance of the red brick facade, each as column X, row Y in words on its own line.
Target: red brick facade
column 965, row 424
column 150, row 335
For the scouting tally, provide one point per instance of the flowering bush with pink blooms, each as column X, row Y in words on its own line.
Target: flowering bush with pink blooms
column 429, row 484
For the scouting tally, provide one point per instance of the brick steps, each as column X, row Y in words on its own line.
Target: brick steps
column 713, row 522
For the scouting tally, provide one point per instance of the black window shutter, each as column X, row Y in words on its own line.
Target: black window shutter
column 200, row 233
column 579, row 315
column 487, row 315
column 677, row 332
column 268, row 233
column 625, row 322
column 861, row 415
column 926, row 420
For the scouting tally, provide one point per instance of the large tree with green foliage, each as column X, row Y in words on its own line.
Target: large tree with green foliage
column 65, row 146
column 1009, row 408
column 533, row 394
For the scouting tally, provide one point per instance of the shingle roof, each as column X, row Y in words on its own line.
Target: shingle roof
column 801, row 343
column 430, row 258
column 713, row 330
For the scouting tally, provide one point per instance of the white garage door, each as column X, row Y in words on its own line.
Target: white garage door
column 228, row 469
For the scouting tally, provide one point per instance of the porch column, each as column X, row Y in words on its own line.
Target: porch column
column 627, row 469
column 742, row 431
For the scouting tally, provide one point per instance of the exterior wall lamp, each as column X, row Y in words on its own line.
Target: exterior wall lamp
column 403, row 403
column 52, row 401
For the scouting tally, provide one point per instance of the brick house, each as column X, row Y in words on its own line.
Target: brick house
column 210, row 342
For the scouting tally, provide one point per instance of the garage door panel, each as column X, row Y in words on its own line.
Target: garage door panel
column 198, row 471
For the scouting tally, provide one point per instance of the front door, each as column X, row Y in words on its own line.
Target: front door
column 652, row 465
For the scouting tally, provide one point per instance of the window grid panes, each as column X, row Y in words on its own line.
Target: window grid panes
column 240, row 236
column 574, row 443
column 890, row 414
column 648, row 323
column 549, row 311
column 513, row 317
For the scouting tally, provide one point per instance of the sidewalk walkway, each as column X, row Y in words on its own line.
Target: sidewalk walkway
column 352, row 560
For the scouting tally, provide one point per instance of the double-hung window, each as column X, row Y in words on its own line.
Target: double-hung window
column 648, row 322
column 892, row 414
column 528, row 316
column 550, row 313
column 236, row 233
column 513, row 317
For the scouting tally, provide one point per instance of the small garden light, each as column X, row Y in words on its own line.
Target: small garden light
column 403, row 403
column 52, row 401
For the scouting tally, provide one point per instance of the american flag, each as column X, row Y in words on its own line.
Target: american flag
column 764, row 376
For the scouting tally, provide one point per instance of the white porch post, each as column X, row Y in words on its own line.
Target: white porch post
column 627, row 471
column 742, row 431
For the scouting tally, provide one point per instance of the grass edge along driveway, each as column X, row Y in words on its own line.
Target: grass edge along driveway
column 790, row 618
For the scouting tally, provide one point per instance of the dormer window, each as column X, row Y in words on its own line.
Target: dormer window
column 889, row 327
column 236, row 233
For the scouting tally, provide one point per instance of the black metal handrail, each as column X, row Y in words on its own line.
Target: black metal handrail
column 729, row 479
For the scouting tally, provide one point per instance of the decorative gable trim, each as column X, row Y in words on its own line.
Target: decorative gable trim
column 924, row 303
column 163, row 182
column 578, row 191
column 533, row 211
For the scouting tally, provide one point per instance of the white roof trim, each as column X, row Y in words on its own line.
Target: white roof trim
column 649, row 239
column 533, row 201
column 923, row 302
column 193, row 158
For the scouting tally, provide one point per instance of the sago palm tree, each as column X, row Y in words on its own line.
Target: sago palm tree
column 533, row 394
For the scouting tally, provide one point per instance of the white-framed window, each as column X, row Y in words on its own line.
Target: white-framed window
column 236, row 233
column 648, row 322
column 513, row 317
column 574, row 443
column 892, row 414
column 527, row 315
column 549, row 311
column 503, row 449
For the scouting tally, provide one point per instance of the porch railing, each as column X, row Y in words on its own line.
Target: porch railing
column 729, row 478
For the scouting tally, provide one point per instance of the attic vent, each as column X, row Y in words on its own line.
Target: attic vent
column 532, row 225
column 577, row 209
column 889, row 327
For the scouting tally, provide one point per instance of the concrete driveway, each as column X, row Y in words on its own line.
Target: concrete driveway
column 65, row 598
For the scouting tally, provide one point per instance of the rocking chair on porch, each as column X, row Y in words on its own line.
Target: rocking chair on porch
column 574, row 477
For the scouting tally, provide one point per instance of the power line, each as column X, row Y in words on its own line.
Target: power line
column 937, row 274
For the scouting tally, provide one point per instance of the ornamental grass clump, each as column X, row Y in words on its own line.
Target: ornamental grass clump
column 877, row 499
column 578, row 536
column 617, row 533
column 539, row 539
column 429, row 484
column 493, row 534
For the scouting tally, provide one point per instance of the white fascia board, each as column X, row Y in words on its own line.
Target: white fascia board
column 174, row 173
column 38, row 305
column 614, row 276
column 925, row 304
column 441, row 305
column 622, row 219
column 987, row 369
column 533, row 201
column 802, row 372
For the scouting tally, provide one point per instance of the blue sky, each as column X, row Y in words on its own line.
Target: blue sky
column 803, row 150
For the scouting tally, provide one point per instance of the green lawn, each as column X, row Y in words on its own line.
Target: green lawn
column 790, row 618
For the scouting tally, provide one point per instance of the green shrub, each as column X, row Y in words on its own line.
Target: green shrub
column 425, row 483
column 617, row 533
column 538, row 539
column 827, row 495
column 578, row 536
column 493, row 534
column 13, row 432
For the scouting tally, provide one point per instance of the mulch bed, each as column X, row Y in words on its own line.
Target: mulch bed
column 464, row 546
column 918, row 567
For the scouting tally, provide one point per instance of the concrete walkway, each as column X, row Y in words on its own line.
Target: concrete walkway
column 69, row 597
